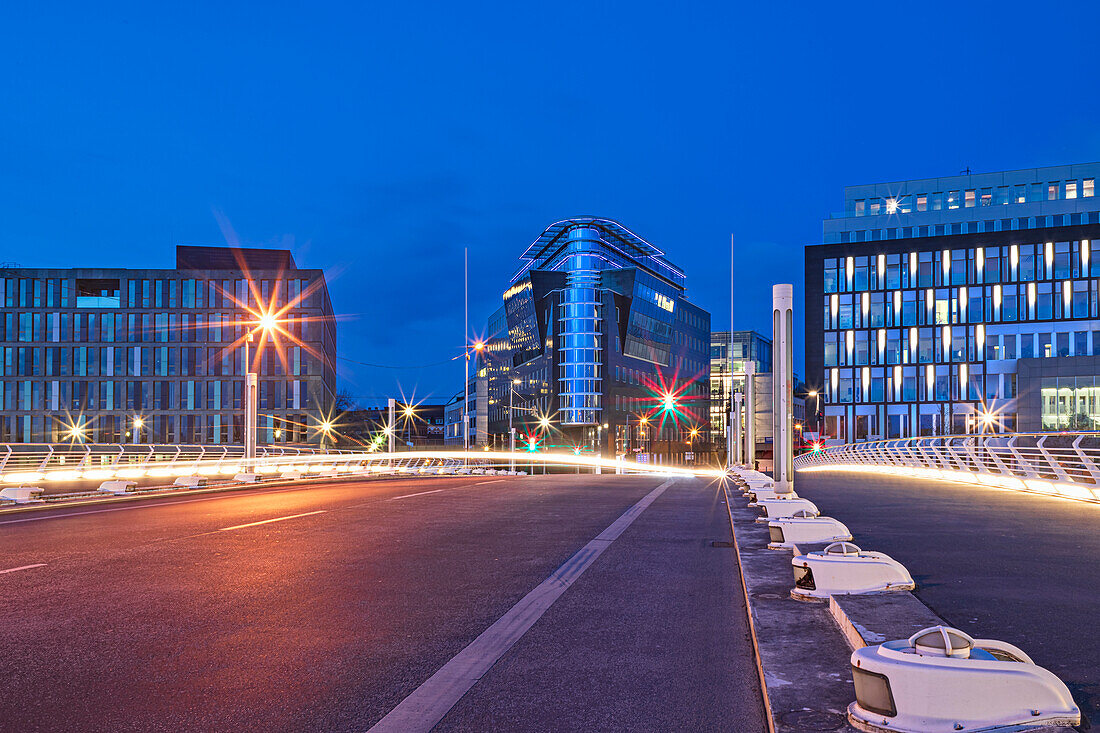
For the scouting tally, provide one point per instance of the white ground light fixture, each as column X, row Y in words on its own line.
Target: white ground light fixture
column 942, row 680
column 844, row 569
column 782, row 507
column 802, row 527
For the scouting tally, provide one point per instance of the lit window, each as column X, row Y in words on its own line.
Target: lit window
column 1071, row 189
column 891, row 206
column 1052, row 191
column 859, row 207
column 1087, row 187
column 952, row 199
column 922, row 202
column 970, row 199
column 987, row 196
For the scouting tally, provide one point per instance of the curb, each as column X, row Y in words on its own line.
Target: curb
column 752, row 624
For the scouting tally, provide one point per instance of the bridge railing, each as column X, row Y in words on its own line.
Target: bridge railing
column 33, row 463
column 1059, row 464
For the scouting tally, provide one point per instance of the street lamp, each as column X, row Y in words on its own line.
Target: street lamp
column 511, row 429
column 266, row 322
column 813, row 393
column 599, row 444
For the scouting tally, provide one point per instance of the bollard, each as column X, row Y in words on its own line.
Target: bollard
column 783, row 388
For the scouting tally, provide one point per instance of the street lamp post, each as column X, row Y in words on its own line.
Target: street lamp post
column 813, row 393
column 251, row 388
column 643, row 421
column 251, row 384
column 544, row 423
column 511, row 429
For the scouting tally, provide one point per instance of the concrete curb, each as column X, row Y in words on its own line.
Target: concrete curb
column 802, row 658
column 752, row 624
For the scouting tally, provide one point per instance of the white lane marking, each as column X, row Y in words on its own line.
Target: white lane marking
column 422, row 493
column 24, row 567
column 497, row 481
column 428, row 704
column 269, row 521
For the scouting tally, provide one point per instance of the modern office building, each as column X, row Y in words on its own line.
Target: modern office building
column 594, row 331
column 950, row 305
column 729, row 353
column 157, row 355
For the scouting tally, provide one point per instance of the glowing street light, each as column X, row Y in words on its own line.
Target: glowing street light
column 265, row 323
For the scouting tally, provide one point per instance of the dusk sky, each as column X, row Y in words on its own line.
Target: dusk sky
column 377, row 140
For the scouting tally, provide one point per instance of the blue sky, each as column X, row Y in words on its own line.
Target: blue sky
column 378, row 140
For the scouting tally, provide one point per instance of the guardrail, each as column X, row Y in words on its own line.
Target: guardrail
column 1054, row 464
column 30, row 462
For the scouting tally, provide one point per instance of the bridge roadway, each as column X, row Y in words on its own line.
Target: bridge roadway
column 1023, row 568
column 201, row 613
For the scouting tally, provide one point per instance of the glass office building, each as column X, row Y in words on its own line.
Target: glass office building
column 156, row 355
column 594, row 325
column 933, row 304
column 729, row 352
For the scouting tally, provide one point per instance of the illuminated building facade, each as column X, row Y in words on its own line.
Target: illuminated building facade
column 154, row 356
column 595, row 327
column 729, row 352
column 938, row 306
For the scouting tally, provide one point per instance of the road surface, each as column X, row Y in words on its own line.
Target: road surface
column 323, row 608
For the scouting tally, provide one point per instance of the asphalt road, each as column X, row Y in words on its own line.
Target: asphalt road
column 997, row 564
column 201, row 614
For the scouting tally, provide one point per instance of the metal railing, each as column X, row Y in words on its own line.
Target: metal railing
column 22, row 464
column 1058, row 464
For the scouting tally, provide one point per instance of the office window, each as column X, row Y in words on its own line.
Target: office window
column 1009, row 303
column 1026, row 269
column 1071, row 189
column 1019, row 193
column 969, row 198
column 1080, row 299
column 1001, row 196
column 1088, row 187
column 987, row 197
column 952, row 199
column 1044, row 301
column 1053, row 190
column 859, row 208
column 1061, row 260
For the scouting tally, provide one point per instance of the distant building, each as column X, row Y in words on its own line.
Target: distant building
column 115, row 355
column 595, row 327
column 728, row 355
column 417, row 425
column 959, row 304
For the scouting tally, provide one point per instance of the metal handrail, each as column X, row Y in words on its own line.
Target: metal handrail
column 1059, row 464
column 26, row 463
